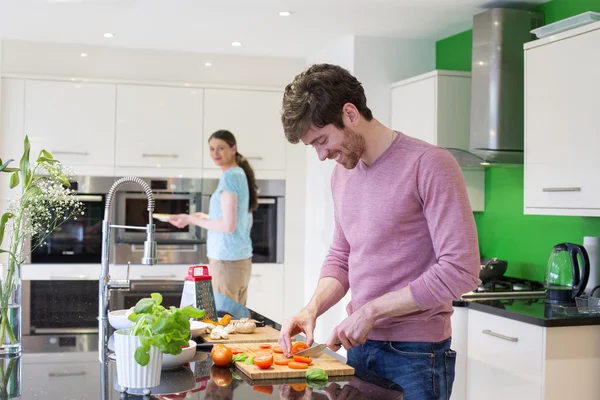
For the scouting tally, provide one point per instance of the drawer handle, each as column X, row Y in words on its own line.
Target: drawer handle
column 566, row 189
column 256, row 275
column 499, row 335
column 254, row 158
column 72, row 153
column 157, row 276
column 63, row 374
column 69, row 278
column 160, row 155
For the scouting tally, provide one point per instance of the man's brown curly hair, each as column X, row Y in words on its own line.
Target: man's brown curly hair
column 316, row 97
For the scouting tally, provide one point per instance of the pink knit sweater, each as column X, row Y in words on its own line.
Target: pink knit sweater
column 405, row 220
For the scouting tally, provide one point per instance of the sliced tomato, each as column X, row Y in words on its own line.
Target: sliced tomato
column 305, row 360
column 282, row 360
column 297, row 365
column 277, row 349
column 297, row 347
column 264, row 361
column 263, row 389
column 265, row 346
column 235, row 350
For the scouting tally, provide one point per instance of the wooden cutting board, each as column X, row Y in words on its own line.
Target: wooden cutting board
column 264, row 334
column 329, row 364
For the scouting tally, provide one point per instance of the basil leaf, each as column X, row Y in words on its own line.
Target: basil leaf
column 193, row 312
column 157, row 298
column 144, row 306
column 141, row 356
column 316, row 374
column 249, row 361
column 240, row 357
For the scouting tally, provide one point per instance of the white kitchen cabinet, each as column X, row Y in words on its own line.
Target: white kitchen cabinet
column 254, row 119
column 265, row 292
column 561, row 127
column 436, row 107
column 159, row 127
column 60, row 380
column 460, row 335
column 508, row 359
column 75, row 121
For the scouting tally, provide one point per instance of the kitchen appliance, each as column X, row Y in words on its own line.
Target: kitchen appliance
column 567, row 273
column 198, row 291
column 497, row 86
column 492, row 269
column 592, row 246
column 267, row 232
column 174, row 245
column 506, row 288
column 77, row 240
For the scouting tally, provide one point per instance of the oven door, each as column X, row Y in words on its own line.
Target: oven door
column 60, row 306
column 132, row 209
column 170, row 291
column 267, row 230
column 77, row 240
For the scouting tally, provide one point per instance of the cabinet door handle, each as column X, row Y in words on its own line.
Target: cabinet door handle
column 566, row 189
column 499, row 335
column 62, row 374
column 72, row 153
column 68, row 278
column 157, row 276
column 254, row 158
column 160, row 155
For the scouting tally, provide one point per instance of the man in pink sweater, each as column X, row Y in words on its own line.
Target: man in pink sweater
column 405, row 239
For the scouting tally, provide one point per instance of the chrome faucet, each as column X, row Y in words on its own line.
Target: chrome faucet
column 105, row 284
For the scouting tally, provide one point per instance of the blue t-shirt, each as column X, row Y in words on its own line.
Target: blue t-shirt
column 237, row 245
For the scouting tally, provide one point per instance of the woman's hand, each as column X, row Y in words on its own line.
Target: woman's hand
column 180, row 220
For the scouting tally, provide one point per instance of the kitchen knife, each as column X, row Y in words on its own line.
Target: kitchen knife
column 314, row 351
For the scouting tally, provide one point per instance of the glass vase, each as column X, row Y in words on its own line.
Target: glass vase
column 10, row 311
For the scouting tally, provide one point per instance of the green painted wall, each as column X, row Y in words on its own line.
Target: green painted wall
column 504, row 232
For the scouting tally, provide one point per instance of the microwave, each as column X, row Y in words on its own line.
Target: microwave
column 171, row 196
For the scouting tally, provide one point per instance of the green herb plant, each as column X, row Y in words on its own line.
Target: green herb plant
column 169, row 330
column 316, row 378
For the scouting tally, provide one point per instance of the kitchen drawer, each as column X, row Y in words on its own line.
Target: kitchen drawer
column 60, row 381
column 156, row 272
column 505, row 358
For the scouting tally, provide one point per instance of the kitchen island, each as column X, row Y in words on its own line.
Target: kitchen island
column 67, row 374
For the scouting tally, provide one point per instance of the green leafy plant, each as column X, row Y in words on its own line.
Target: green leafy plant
column 240, row 357
column 169, row 330
column 46, row 202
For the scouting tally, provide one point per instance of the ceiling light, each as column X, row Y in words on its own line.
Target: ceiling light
column 109, row 35
column 186, row 84
column 236, row 44
column 208, row 64
column 285, row 13
column 83, row 54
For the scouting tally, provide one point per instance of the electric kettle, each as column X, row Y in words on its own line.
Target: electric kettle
column 567, row 273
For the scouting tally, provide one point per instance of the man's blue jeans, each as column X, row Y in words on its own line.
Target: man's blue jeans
column 425, row 370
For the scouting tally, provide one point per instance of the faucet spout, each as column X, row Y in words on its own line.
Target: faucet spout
column 149, row 258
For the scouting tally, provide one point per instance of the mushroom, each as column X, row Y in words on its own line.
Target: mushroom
column 244, row 325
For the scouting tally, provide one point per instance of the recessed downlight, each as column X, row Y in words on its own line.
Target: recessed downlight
column 236, row 44
column 208, row 64
column 109, row 35
column 285, row 13
column 83, row 55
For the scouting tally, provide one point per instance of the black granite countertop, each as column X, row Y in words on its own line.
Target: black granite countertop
column 533, row 311
column 79, row 375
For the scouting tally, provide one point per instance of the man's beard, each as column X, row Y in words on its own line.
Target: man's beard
column 352, row 148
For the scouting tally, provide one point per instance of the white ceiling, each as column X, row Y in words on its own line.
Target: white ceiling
column 209, row 26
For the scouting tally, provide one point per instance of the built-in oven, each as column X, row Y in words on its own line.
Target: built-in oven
column 268, row 221
column 124, row 299
column 174, row 245
column 78, row 240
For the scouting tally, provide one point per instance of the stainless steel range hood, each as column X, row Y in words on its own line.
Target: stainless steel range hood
column 497, row 85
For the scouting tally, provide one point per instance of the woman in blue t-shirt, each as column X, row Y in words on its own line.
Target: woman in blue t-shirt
column 229, row 219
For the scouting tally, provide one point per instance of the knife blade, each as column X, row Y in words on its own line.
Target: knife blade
column 314, row 351
column 311, row 352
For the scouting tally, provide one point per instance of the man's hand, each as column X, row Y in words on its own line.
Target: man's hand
column 180, row 220
column 304, row 322
column 353, row 330
column 335, row 392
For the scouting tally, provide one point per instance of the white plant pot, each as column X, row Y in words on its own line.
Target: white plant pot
column 131, row 374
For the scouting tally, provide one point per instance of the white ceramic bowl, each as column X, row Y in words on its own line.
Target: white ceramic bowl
column 187, row 354
column 118, row 319
column 198, row 328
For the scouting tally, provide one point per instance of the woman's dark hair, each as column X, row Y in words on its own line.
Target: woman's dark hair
column 228, row 138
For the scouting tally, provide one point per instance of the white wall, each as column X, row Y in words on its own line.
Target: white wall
column 381, row 61
column 377, row 63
